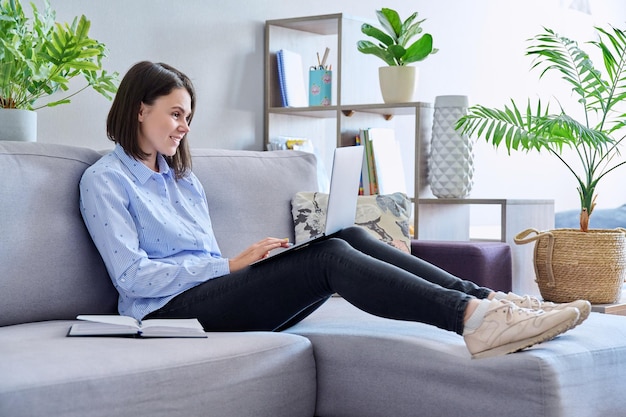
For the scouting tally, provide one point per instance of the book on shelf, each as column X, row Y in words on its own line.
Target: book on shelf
column 383, row 171
column 291, row 79
column 111, row 325
column 387, row 160
column 364, row 183
column 368, row 171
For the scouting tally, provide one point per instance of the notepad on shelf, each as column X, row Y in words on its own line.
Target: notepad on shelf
column 111, row 325
column 291, row 79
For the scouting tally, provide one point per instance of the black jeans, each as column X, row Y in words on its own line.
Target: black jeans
column 369, row 274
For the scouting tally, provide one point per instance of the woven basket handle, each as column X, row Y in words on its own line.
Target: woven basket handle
column 523, row 238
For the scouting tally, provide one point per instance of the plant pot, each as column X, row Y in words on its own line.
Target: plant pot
column 574, row 265
column 397, row 83
column 18, row 125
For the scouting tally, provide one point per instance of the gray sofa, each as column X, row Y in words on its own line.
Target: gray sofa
column 338, row 362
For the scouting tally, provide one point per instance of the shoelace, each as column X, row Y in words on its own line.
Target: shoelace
column 511, row 308
column 529, row 302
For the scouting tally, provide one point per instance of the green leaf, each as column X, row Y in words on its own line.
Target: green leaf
column 410, row 32
column 368, row 47
column 419, row 50
column 376, row 33
column 391, row 22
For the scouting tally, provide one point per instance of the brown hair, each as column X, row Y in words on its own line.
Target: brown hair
column 144, row 83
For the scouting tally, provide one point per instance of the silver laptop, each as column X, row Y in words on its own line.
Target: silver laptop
column 342, row 197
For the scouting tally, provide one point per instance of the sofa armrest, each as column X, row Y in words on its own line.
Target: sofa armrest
column 488, row 264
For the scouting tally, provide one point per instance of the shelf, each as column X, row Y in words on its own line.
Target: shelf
column 325, row 112
column 383, row 109
column 321, row 25
column 355, row 81
column 484, row 201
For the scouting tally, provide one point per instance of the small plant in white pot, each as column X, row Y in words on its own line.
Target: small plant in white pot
column 571, row 263
column 38, row 58
column 397, row 79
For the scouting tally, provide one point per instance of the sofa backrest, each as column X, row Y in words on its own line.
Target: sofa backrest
column 49, row 267
column 249, row 192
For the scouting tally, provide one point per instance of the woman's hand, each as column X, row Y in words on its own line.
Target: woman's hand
column 257, row 251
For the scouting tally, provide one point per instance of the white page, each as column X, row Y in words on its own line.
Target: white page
column 111, row 319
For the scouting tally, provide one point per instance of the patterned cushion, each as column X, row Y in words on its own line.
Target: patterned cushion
column 385, row 217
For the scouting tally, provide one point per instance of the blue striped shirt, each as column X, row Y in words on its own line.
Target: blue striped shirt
column 154, row 233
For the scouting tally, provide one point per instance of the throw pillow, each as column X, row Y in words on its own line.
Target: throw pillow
column 385, row 217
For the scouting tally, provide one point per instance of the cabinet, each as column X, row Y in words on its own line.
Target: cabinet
column 356, row 99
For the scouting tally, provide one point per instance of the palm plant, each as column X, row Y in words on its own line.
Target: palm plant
column 595, row 139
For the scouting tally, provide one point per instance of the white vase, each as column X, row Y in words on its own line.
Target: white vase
column 397, row 83
column 451, row 164
column 18, row 125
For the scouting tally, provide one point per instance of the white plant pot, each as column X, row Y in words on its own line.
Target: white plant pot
column 18, row 125
column 397, row 83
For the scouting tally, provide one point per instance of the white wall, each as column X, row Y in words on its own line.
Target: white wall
column 219, row 44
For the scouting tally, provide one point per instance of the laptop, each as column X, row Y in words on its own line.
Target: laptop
column 342, row 197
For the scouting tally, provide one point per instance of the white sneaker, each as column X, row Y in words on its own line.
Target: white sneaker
column 583, row 306
column 507, row 328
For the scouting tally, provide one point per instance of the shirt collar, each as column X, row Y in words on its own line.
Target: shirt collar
column 138, row 168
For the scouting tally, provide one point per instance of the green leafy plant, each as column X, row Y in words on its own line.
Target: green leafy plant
column 39, row 57
column 595, row 139
column 394, row 38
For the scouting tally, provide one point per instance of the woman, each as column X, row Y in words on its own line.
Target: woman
column 147, row 214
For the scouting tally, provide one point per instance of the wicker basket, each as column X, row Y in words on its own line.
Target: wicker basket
column 571, row 264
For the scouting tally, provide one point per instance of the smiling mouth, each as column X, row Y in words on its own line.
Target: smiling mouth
column 175, row 139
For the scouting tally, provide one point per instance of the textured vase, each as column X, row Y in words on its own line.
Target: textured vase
column 397, row 83
column 451, row 164
column 18, row 125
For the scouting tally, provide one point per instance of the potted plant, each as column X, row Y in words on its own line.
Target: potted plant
column 397, row 79
column 38, row 58
column 571, row 263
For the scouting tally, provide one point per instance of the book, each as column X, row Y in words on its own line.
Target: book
column 281, row 77
column 291, row 79
column 364, row 181
column 387, row 161
column 369, row 164
column 111, row 325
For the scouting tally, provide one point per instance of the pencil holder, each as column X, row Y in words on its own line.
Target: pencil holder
column 320, row 87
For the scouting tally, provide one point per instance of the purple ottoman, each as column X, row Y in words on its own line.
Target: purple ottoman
column 488, row 264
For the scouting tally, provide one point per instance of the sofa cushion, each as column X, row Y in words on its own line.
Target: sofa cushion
column 49, row 266
column 45, row 373
column 386, row 217
column 370, row 366
column 488, row 264
column 249, row 192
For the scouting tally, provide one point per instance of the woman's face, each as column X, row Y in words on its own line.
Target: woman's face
column 163, row 124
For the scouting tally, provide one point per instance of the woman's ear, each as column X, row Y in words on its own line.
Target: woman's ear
column 142, row 109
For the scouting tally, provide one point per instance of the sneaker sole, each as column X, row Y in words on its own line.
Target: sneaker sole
column 526, row 343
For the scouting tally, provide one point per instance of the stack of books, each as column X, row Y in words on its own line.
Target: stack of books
column 383, row 170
